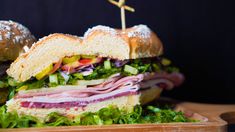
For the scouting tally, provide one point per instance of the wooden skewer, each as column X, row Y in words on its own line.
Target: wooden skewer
column 123, row 18
column 120, row 4
column 123, row 7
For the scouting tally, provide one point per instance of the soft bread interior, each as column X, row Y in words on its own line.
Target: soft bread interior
column 123, row 102
column 105, row 44
column 45, row 52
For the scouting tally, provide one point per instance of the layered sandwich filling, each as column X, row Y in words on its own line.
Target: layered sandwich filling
column 77, row 81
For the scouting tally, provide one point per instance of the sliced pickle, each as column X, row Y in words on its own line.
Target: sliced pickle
column 44, row 72
column 67, row 60
column 24, row 87
column 88, row 56
column 166, row 62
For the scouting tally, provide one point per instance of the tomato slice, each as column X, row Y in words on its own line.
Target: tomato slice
column 85, row 61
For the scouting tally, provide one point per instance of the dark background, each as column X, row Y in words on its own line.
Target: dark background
column 198, row 35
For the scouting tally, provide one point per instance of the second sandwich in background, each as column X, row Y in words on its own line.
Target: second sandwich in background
column 14, row 39
column 68, row 75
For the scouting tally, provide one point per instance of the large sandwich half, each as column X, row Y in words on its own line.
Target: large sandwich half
column 107, row 67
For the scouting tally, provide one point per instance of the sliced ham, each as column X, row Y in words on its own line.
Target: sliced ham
column 74, row 98
column 109, row 86
column 70, row 103
column 162, row 83
column 46, row 91
column 176, row 78
column 114, row 86
column 60, row 89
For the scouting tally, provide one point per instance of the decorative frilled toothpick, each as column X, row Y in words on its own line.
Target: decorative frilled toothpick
column 123, row 7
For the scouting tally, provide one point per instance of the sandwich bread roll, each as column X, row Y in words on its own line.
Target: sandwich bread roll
column 97, row 52
column 137, row 42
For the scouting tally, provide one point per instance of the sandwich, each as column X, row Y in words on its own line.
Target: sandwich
column 71, row 75
column 14, row 39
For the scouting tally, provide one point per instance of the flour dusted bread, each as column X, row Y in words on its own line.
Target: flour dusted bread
column 136, row 42
column 13, row 37
column 46, row 51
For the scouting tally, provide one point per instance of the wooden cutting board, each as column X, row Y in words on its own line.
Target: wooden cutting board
column 213, row 118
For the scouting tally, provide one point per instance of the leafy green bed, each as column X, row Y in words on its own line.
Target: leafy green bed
column 105, row 116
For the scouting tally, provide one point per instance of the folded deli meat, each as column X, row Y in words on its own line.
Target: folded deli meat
column 79, row 97
column 71, row 75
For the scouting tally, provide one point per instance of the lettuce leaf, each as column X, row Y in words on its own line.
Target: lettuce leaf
column 101, row 72
column 7, row 120
column 12, row 120
column 26, row 121
column 55, row 119
column 105, row 116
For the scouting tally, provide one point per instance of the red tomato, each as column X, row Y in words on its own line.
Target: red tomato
column 85, row 61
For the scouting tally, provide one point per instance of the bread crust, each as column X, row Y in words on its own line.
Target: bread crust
column 138, row 41
column 48, row 38
column 142, row 46
column 46, row 51
column 13, row 37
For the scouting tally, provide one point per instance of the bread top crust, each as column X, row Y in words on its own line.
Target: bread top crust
column 136, row 42
column 13, row 37
column 44, row 39
column 46, row 51
column 140, row 41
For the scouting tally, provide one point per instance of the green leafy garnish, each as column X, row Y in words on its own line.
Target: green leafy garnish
column 101, row 72
column 3, row 84
column 105, row 116
column 12, row 120
column 55, row 119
